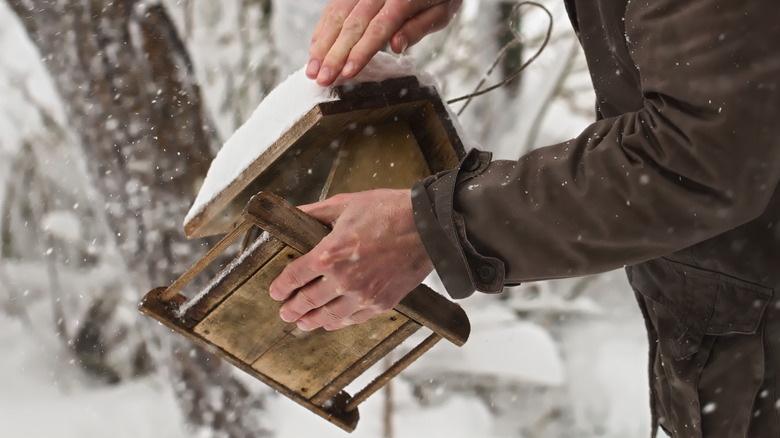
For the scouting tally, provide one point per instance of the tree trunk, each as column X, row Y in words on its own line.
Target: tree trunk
column 131, row 98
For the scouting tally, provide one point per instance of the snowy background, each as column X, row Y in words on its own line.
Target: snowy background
column 553, row 359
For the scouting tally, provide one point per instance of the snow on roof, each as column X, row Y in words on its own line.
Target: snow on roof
column 279, row 112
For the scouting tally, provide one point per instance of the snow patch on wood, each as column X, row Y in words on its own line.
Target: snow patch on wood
column 218, row 278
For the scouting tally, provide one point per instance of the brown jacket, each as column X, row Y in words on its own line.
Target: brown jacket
column 677, row 181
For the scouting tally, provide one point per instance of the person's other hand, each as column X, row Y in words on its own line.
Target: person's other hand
column 364, row 267
column 351, row 32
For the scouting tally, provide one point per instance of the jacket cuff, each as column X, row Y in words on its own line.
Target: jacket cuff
column 461, row 268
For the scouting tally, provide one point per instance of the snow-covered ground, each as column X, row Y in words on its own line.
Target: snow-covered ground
column 596, row 371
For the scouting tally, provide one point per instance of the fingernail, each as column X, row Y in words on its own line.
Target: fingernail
column 349, row 69
column 305, row 326
column 313, row 68
column 404, row 42
column 286, row 315
column 274, row 293
column 324, row 76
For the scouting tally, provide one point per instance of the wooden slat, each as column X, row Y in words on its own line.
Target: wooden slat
column 209, row 257
column 393, row 371
column 281, row 219
column 230, row 281
column 366, row 362
column 247, row 323
column 437, row 136
column 436, row 312
column 308, row 363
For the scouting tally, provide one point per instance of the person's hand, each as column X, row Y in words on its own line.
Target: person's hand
column 364, row 267
column 351, row 32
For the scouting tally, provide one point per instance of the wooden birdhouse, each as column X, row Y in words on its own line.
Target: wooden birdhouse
column 377, row 134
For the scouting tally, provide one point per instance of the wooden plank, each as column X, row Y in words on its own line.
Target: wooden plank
column 393, row 371
column 308, row 363
column 229, row 281
column 163, row 312
column 436, row 312
column 387, row 88
column 437, row 137
column 247, row 323
column 376, row 156
column 366, row 362
column 201, row 264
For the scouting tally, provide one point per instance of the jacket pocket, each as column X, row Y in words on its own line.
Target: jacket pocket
column 709, row 358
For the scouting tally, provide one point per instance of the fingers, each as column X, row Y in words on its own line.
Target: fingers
column 358, row 317
column 294, row 276
column 426, row 22
column 325, row 34
column 337, row 314
column 314, row 296
column 361, row 25
column 350, row 33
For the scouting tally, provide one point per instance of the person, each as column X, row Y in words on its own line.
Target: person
column 676, row 180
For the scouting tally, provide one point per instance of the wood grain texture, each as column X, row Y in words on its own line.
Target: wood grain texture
column 229, row 281
column 376, row 156
column 289, row 224
column 247, row 323
column 309, row 362
column 366, row 362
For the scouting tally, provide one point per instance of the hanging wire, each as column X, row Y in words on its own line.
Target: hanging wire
column 517, row 40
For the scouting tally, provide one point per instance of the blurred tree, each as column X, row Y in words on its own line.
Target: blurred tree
column 131, row 97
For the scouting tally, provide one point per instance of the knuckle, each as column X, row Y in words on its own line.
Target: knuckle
column 330, row 315
column 379, row 30
column 365, row 302
column 336, row 16
column 354, row 25
column 306, row 298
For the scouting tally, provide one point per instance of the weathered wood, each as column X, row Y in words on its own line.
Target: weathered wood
column 228, row 282
column 277, row 216
column 308, row 363
column 165, row 313
column 393, row 371
column 206, row 260
column 441, row 315
column 366, row 362
column 247, row 323
column 388, row 89
column 376, row 156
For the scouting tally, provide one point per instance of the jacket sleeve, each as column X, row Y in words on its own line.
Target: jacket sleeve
column 700, row 157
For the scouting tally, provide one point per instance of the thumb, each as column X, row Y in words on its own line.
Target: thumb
column 327, row 211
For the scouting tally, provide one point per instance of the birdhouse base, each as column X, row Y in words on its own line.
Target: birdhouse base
column 235, row 318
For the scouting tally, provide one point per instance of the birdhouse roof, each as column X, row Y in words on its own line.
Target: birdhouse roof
column 282, row 120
